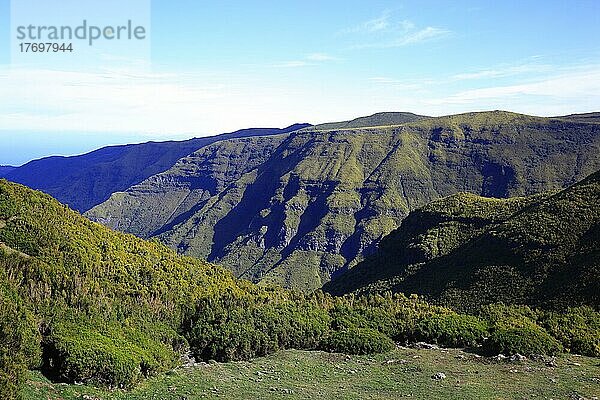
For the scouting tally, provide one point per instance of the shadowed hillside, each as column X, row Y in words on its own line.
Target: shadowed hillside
column 296, row 209
column 466, row 250
column 593, row 117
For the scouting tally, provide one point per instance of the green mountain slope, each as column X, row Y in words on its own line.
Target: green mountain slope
column 321, row 200
column 379, row 119
column 89, row 179
column 466, row 250
column 163, row 199
column 92, row 304
column 593, row 117
column 83, row 303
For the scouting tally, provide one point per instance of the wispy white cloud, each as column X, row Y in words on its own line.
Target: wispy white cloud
column 321, row 57
column 412, row 37
column 378, row 24
column 387, row 32
column 144, row 102
column 552, row 90
column 309, row 60
column 518, row 71
column 412, row 85
column 580, row 83
column 503, row 71
column 168, row 104
column 384, row 80
column 292, row 64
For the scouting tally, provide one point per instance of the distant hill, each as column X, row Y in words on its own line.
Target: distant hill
column 593, row 117
column 465, row 250
column 295, row 209
column 379, row 119
column 87, row 180
column 5, row 169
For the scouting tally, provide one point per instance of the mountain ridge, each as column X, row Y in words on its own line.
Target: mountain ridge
column 86, row 180
column 5, row 169
column 319, row 201
column 377, row 119
column 591, row 117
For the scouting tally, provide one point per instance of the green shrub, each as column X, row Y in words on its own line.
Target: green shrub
column 526, row 340
column 112, row 356
column 19, row 341
column 452, row 330
column 235, row 327
column 578, row 329
column 394, row 315
column 12, row 377
column 358, row 341
column 508, row 316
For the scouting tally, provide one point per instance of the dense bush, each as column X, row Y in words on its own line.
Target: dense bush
column 235, row 327
column 508, row 316
column 394, row 315
column 516, row 329
column 19, row 342
column 578, row 329
column 526, row 340
column 454, row 330
column 358, row 341
column 117, row 356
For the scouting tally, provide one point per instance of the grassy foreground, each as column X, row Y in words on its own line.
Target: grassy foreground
column 402, row 373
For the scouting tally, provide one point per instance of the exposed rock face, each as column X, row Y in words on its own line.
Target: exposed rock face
column 297, row 209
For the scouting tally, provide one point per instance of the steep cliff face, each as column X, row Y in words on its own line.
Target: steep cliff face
column 465, row 250
column 170, row 197
column 87, row 180
column 317, row 201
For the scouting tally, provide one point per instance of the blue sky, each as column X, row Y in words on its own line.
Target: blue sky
column 209, row 67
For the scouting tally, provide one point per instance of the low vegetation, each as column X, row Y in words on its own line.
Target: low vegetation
column 357, row 341
column 452, row 330
column 401, row 373
column 85, row 304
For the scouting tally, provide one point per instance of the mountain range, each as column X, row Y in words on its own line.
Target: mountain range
column 481, row 213
column 299, row 208
column 302, row 205
column 89, row 179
